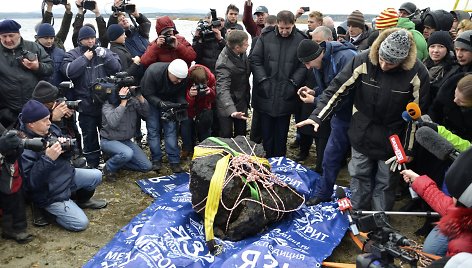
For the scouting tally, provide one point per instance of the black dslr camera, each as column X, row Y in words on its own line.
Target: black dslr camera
column 68, row 145
column 25, row 54
column 168, row 39
column 124, row 7
column 201, row 89
column 108, row 88
column 58, row 2
column 73, row 105
column 205, row 28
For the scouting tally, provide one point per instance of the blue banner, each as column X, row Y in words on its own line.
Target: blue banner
column 169, row 233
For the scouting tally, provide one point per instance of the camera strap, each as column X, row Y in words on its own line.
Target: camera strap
column 133, row 20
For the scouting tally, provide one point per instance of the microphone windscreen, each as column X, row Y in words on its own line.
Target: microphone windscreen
column 406, row 116
column 434, row 143
column 340, row 194
column 413, row 110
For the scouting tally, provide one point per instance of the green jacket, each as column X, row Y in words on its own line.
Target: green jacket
column 458, row 143
column 421, row 45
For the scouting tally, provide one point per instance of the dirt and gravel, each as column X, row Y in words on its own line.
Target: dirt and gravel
column 56, row 247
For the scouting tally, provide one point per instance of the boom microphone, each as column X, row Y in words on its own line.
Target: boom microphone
column 436, row 144
column 345, row 206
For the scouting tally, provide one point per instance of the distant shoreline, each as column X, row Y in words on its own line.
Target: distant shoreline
column 174, row 16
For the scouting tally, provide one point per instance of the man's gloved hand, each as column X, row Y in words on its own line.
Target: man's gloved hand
column 9, row 142
column 101, row 52
column 431, row 125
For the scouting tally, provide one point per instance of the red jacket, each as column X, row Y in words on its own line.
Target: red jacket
column 10, row 184
column 455, row 223
column 154, row 53
column 199, row 103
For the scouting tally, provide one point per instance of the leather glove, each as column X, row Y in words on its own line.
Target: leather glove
column 431, row 125
column 101, row 52
column 9, row 142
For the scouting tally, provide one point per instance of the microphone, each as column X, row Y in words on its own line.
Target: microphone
column 401, row 158
column 414, row 111
column 345, row 206
column 406, row 116
column 436, row 144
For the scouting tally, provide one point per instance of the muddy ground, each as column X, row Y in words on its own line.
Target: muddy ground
column 56, row 247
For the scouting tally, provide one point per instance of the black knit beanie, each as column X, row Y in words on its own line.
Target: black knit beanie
column 442, row 38
column 308, row 50
column 44, row 92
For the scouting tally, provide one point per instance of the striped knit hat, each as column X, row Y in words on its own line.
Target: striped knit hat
column 356, row 19
column 387, row 19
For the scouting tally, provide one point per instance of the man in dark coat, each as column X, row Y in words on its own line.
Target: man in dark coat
column 19, row 71
column 83, row 65
column 232, row 85
column 384, row 80
column 277, row 75
column 50, row 179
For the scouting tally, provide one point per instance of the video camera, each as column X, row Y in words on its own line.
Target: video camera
column 124, row 7
column 176, row 112
column 107, row 88
column 383, row 245
column 206, row 27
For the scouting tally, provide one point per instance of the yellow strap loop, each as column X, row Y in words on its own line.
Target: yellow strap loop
column 214, row 195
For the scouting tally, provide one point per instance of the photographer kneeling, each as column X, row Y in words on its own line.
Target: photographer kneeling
column 50, row 179
column 453, row 234
column 119, row 116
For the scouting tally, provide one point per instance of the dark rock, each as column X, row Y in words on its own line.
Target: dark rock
column 249, row 216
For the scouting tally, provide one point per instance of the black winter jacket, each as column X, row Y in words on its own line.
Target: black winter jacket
column 277, row 72
column 156, row 85
column 379, row 100
column 17, row 82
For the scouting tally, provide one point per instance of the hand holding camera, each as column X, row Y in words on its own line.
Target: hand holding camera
column 124, row 95
column 59, row 110
column 29, row 60
column 8, row 142
column 55, row 150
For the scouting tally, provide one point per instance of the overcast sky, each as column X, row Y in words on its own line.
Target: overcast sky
column 325, row 6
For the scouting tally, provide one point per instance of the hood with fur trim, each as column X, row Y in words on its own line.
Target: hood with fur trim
column 410, row 60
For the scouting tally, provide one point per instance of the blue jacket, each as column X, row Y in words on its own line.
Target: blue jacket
column 46, row 181
column 84, row 74
column 57, row 55
column 336, row 56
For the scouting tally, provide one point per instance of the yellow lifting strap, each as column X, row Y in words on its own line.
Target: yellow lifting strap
column 214, row 195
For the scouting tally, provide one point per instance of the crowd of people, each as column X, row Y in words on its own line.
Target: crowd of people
column 345, row 86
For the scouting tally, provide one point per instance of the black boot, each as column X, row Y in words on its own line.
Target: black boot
column 9, row 232
column 39, row 219
column 84, row 200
